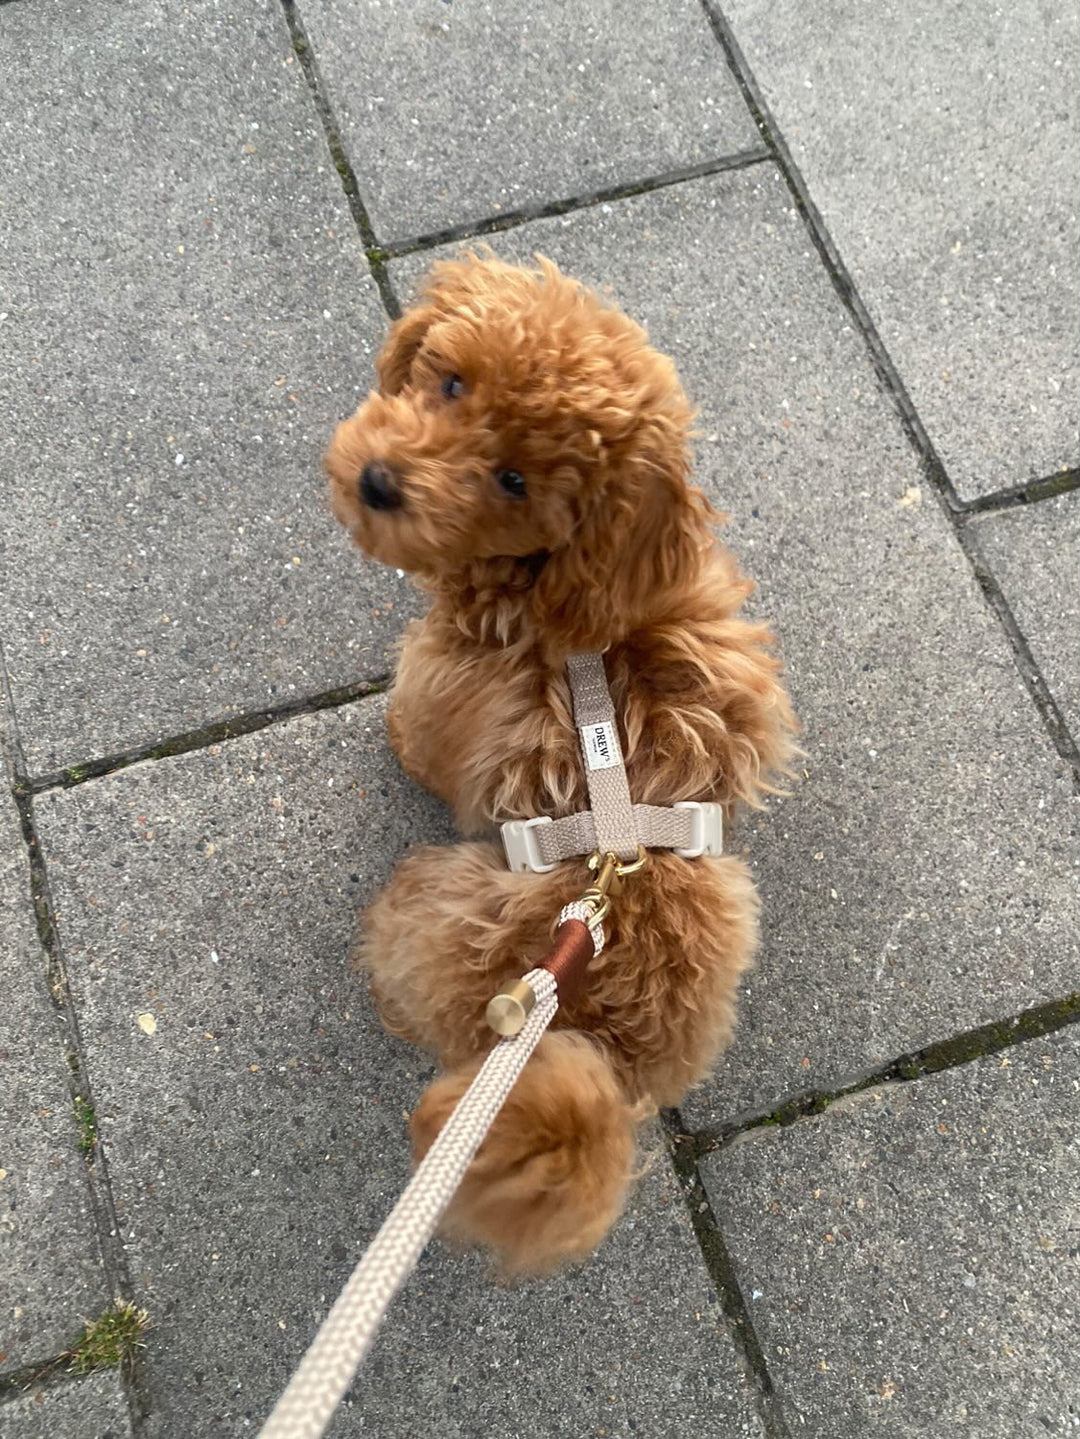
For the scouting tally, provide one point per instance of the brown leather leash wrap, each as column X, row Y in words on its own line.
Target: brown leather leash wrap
column 578, row 938
column 568, row 957
column 566, row 961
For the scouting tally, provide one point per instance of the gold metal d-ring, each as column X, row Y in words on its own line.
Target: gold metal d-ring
column 597, row 862
column 631, row 866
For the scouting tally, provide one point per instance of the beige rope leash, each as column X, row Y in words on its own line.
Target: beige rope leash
column 521, row 1012
column 345, row 1336
column 335, row 1354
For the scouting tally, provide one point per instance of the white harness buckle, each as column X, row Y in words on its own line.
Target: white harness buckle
column 522, row 850
column 707, row 833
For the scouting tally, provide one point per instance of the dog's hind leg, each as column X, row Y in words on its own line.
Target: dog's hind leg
column 552, row 1175
column 451, row 927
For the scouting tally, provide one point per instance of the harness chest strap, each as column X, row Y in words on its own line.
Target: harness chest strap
column 605, row 773
column 614, row 824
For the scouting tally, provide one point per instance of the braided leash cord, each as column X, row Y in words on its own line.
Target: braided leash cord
column 578, row 909
column 336, row 1352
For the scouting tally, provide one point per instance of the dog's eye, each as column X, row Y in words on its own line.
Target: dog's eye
column 512, row 483
column 453, row 387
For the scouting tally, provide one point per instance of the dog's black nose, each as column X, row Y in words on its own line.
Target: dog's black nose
column 378, row 489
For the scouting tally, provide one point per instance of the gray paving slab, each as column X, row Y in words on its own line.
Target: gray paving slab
column 186, row 312
column 90, row 1408
column 923, row 878
column 911, row 1258
column 253, row 1114
column 632, row 1344
column 50, row 1278
column 938, row 144
column 452, row 112
column 1034, row 553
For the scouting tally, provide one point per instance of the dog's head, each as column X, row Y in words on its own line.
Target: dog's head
column 524, row 433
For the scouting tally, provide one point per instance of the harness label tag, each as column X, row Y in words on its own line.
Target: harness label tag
column 601, row 744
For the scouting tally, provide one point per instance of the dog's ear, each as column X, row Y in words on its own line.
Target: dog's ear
column 449, row 285
column 638, row 536
column 397, row 354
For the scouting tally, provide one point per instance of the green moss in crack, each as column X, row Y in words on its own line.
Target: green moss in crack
column 1037, row 1023
column 86, row 1121
column 342, row 166
column 801, row 1107
column 111, row 1340
column 1055, row 485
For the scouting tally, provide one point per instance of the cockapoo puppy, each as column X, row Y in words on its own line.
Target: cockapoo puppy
column 526, row 457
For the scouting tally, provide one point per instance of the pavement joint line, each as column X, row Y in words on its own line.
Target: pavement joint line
column 53, row 1373
column 721, row 1271
column 305, row 53
column 1028, row 492
column 1054, row 721
column 219, row 732
column 933, row 468
column 547, row 209
column 827, row 250
column 1030, row 1025
column 118, row 1280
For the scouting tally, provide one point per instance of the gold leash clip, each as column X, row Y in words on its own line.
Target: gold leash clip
column 609, row 871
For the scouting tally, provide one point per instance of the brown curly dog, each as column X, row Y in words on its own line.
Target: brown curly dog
column 526, row 456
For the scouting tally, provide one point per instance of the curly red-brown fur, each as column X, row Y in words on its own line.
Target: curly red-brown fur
column 551, row 1176
column 499, row 368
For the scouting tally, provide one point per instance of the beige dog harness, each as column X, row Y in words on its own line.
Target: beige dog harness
column 614, row 824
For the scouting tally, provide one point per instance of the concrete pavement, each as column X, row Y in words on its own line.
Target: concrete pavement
column 859, row 237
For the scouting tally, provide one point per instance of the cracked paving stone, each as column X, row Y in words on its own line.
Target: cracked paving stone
column 924, row 877
column 911, row 1258
column 253, row 1115
column 187, row 313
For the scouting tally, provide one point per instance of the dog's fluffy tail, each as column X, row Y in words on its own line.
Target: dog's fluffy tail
column 552, row 1175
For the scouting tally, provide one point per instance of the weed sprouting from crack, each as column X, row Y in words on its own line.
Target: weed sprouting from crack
column 86, row 1122
column 110, row 1341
